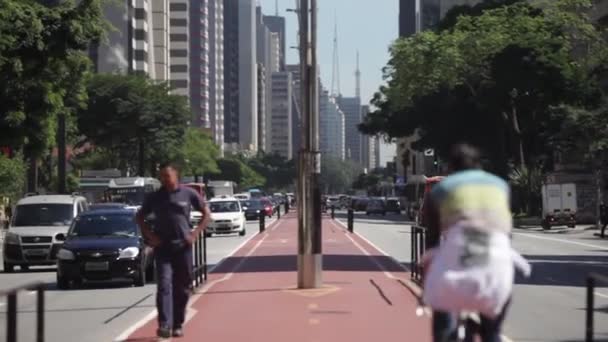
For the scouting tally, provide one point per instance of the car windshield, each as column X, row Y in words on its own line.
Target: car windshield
column 224, row 207
column 102, row 225
column 44, row 214
column 252, row 204
column 105, row 206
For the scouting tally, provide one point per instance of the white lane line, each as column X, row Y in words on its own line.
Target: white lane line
column 534, row 236
column 152, row 314
column 599, row 294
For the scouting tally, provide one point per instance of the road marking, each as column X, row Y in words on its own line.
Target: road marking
column 314, row 321
column 152, row 314
column 313, row 306
column 601, row 295
column 534, row 236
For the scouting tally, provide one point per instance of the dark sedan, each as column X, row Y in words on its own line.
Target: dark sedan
column 104, row 245
column 107, row 206
column 252, row 208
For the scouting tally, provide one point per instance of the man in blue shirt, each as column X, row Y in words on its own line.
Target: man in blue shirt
column 172, row 238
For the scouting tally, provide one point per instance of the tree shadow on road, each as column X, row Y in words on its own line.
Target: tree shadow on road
column 288, row 263
column 563, row 270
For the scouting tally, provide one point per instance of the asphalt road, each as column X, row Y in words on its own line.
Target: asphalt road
column 550, row 305
column 93, row 313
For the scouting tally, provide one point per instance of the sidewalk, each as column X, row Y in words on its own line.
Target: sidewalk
column 252, row 296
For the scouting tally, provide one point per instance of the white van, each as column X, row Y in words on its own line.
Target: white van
column 37, row 221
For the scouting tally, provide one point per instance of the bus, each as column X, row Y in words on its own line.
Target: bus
column 131, row 190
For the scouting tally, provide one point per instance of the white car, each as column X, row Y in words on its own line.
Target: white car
column 38, row 221
column 227, row 216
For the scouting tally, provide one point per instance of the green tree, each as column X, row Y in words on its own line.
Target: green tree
column 136, row 119
column 43, row 68
column 200, row 153
column 502, row 70
column 12, row 177
column 234, row 169
column 280, row 173
column 337, row 176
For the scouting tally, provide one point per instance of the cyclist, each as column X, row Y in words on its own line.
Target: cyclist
column 470, row 264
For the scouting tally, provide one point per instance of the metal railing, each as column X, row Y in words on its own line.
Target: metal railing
column 418, row 243
column 200, row 260
column 11, row 311
column 592, row 279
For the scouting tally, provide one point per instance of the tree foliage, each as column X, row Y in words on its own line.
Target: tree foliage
column 280, row 173
column 43, row 67
column 200, row 153
column 491, row 79
column 233, row 168
column 12, row 177
column 134, row 119
column 337, row 176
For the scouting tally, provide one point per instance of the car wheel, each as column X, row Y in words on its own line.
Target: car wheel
column 24, row 268
column 141, row 277
column 9, row 268
column 546, row 226
column 63, row 283
column 242, row 232
column 208, row 235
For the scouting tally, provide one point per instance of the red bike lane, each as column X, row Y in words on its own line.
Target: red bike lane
column 252, row 295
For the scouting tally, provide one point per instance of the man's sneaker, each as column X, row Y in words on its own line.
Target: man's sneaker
column 163, row 332
column 178, row 332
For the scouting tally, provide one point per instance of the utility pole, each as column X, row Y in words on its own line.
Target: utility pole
column 61, row 152
column 310, row 265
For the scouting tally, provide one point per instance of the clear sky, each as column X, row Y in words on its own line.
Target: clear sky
column 363, row 25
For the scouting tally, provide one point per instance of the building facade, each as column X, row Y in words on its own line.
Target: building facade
column 199, row 61
column 332, row 134
column 351, row 106
column 216, row 71
column 276, row 24
column 179, row 43
column 240, row 75
column 281, row 122
column 160, row 39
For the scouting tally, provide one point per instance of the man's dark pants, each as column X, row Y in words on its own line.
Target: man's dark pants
column 445, row 327
column 174, row 282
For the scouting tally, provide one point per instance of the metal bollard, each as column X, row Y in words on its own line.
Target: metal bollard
column 262, row 221
column 351, row 219
column 279, row 212
column 333, row 212
column 205, row 256
column 286, row 207
column 589, row 309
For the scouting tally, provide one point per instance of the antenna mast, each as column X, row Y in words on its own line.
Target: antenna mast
column 276, row 8
column 335, row 73
column 358, row 79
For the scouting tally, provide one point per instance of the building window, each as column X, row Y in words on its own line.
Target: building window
column 141, row 14
column 179, row 37
column 141, row 55
column 179, row 84
column 179, row 68
column 178, row 7
column 179, row 53
column 140, row 34
column 179, row 22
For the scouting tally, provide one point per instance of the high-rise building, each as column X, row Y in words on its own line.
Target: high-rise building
column 366, row 145
column 160, row 39
column 281, row 122
column 331, row 127
column 240, row 75
column 351, row 106
column 199, row 61
column 129, row 46
column 276, row 24
column 179, row 44
column 263, row 106
column 296, row 120
column 216, row 70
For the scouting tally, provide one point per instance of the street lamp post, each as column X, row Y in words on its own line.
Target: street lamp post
column 309, row 194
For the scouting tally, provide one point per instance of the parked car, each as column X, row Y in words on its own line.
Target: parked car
column 376, row 206
column 104, row 245
column 252, row 208
column 227, row 216
column 334, row 201
column 393, row 205
column 38, row 220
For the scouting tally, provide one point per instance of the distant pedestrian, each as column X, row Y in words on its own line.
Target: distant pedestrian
column 603, row 218
column 471, row 263
column 172, row 237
